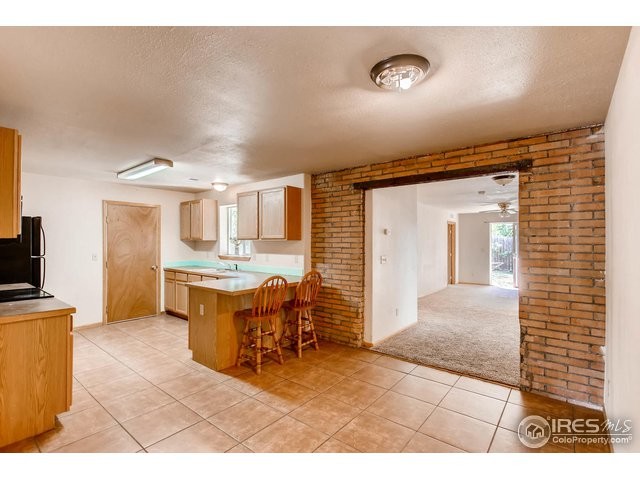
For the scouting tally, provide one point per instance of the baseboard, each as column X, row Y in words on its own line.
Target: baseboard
column 85, row 327
column 390, row 335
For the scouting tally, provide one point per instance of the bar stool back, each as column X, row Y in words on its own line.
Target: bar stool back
column 267, row 302
column 300, row 330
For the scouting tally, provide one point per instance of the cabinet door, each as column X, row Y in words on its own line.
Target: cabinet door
column 248, row 216
column 196, row 220
column 272, row 214
column 209, row 219
column 169, row 295
column 185, row 221
column 10, row 170
column 182, row 298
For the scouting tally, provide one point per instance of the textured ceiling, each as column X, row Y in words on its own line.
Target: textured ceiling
column 468, row 195
column 239, row 104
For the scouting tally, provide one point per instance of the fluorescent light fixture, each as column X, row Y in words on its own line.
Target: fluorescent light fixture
column 220, row 186
column 144, row 169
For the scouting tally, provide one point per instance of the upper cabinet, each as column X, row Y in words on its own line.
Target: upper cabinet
column 248, row 216
column 10, row 211
column 199, row 219
column 273, row 214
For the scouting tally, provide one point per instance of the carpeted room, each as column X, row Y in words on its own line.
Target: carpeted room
column 443, row 310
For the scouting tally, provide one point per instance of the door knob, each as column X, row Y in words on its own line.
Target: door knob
column 154, row 267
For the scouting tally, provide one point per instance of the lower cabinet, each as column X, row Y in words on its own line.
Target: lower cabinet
column 176, row 292
column 36, row 367
column 182, row 298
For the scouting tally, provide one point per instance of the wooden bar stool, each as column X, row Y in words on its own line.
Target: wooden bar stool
column 267, row 302
column 300, row 330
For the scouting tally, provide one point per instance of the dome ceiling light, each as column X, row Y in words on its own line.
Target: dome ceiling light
column 219, row 186
column 400, row 72
column 504, row 180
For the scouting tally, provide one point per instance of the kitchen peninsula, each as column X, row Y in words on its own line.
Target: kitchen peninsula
column 214, row 332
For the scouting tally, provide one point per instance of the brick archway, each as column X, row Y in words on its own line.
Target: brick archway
column 562, row 293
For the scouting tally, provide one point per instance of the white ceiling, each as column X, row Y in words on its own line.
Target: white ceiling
column 241, row 104
column 464, row 195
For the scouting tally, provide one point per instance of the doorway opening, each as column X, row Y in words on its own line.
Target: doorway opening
column 440, row 270
column 503, row 255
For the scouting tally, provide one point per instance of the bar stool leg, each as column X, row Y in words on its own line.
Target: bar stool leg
column 245, row 339
column 272, row 324
column 313, row 330
column 299, row 325
column 259, row 348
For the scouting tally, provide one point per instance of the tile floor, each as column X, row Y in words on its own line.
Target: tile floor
column 136, row 389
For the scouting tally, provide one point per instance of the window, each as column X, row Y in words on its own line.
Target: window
column 230, row 245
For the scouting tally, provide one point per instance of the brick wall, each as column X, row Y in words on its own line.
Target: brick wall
column 562, row 292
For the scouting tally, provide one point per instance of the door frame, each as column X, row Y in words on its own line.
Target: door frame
column 451, row 253
column 105, row 204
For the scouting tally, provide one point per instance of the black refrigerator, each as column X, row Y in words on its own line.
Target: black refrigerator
column 22, row 259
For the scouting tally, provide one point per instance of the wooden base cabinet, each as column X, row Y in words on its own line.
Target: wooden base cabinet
column 36, row 368
column 176, row 292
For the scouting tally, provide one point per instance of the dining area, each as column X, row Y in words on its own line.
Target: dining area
column 248, row 319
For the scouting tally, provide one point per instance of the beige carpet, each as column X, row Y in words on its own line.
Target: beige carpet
column 470, row 329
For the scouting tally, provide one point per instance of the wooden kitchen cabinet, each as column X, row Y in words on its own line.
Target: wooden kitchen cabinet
column 248, row 216
column 280, row 214
column 199, row 220
column 36, row 368
column 273, row 214
column 10, row 171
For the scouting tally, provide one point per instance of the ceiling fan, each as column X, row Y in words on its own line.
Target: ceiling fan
column 503, row 210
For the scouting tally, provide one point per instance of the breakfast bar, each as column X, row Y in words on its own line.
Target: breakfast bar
column 214, row 332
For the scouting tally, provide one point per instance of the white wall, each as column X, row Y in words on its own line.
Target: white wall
column 474, row 238
column 72, row 216
column 290, row 253
column 432, row 248
column 394, row 304
column 622, row 150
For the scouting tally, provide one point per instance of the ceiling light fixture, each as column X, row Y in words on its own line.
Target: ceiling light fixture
column 400, row 72
column 144, row 169
column 220, row 186
column 504, row 180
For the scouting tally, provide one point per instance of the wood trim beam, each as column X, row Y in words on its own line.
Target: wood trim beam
column 455, row 174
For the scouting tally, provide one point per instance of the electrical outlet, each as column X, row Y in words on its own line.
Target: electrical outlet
column 383, row 259
column 201, row 309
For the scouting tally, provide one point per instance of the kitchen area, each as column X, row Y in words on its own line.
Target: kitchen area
column 53, row 263
column 36, row 329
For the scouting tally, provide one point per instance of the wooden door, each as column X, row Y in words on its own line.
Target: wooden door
column 272, row 214
column 185, row 221
column 248, row 216
column 132, row 258
column 451, row 253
